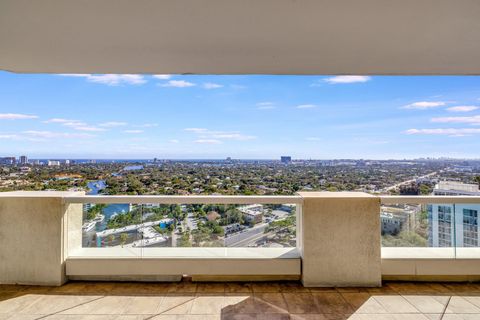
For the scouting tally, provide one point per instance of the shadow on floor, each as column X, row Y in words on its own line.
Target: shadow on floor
column 256, row 300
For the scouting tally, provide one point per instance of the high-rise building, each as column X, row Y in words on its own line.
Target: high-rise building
column 23, row 160
column 454, row 224
column 8, row 160
column 286, row 159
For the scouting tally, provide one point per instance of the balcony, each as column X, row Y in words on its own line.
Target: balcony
column 344, row 263
column 246, row 300
column 334, row 240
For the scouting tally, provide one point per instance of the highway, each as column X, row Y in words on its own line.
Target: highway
column 407, row 182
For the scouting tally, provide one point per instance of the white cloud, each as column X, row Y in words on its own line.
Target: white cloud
column 230, row 136
column 266, row 105
column 306, row 106
column 148, row 125
column 16, row 116
column 445, row 131
column 53, row 135
column 111, row 79
column 9, row 136
column 347, row 79
column 178, row 84
column 162, row 76
column 61, row 120
column 205, row 134
column 67, row 122
column 145, row 125
column 462, row 108
column 79, row 125
column 174, row 141
column 475, row 120
column 111, row 124
column 424, row 105
column 88, row 128
column 208, row 141
column 209, row 85
column 74, row 124
column 133, row 131
column 196, row 130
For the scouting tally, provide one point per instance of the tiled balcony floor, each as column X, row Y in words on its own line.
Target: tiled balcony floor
column 271, row 300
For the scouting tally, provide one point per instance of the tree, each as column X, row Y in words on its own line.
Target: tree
column 232, row 215
column 184, row 240
column 123, row 238
column 411, row 189
column 111, row 238
column 95, row 210
column 404, row 239
column 134, row 185
column 477, row 180
column 425, row 189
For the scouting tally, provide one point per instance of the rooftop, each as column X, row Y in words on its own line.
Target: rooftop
column 457, row 186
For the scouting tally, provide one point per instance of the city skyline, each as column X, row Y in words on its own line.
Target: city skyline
column 243, row 117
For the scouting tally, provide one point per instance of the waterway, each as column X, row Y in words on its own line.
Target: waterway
column 95, row 188
column 112, row 209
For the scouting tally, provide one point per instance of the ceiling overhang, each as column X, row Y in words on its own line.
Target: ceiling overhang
column 241, row 36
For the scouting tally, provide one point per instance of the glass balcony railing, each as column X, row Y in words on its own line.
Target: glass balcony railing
column 244, row 235
column 405, row 225
column 451, row 228
column 188, row 225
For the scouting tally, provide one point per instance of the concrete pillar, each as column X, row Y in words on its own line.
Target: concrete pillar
column 340, row 239
column 34, row 236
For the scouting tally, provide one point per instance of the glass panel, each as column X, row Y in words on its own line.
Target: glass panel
column 158, row 224
column 133, row 226
column 467, row 230
column 441, row 227
column 111, row 226
column 417, row 225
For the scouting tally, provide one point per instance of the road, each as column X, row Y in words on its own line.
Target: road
column 243, row 238
column 190, row 221
column 407, row 182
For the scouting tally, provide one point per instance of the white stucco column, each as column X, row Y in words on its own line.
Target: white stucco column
column 34, row 236
column 340, row 241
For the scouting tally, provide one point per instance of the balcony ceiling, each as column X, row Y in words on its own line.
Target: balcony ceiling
column 241, row 36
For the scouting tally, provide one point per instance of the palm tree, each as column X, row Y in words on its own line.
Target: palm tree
column 123, row 238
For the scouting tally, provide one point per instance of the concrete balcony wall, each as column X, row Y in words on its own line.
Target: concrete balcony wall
column 340, row 239
column 338, row 244
column 33, row 236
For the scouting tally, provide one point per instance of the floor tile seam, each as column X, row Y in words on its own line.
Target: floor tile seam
column 66, row 309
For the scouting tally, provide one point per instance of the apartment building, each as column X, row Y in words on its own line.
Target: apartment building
column 454, row 224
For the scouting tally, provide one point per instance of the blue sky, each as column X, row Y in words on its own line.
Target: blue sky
column 248, row 117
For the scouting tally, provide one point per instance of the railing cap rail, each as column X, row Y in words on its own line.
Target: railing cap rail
column 428, row 199
column 203, row 199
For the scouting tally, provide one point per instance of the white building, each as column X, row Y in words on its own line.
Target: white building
column 53, row 163
column 391, row 223
column 454, row 224
column 252, row 213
